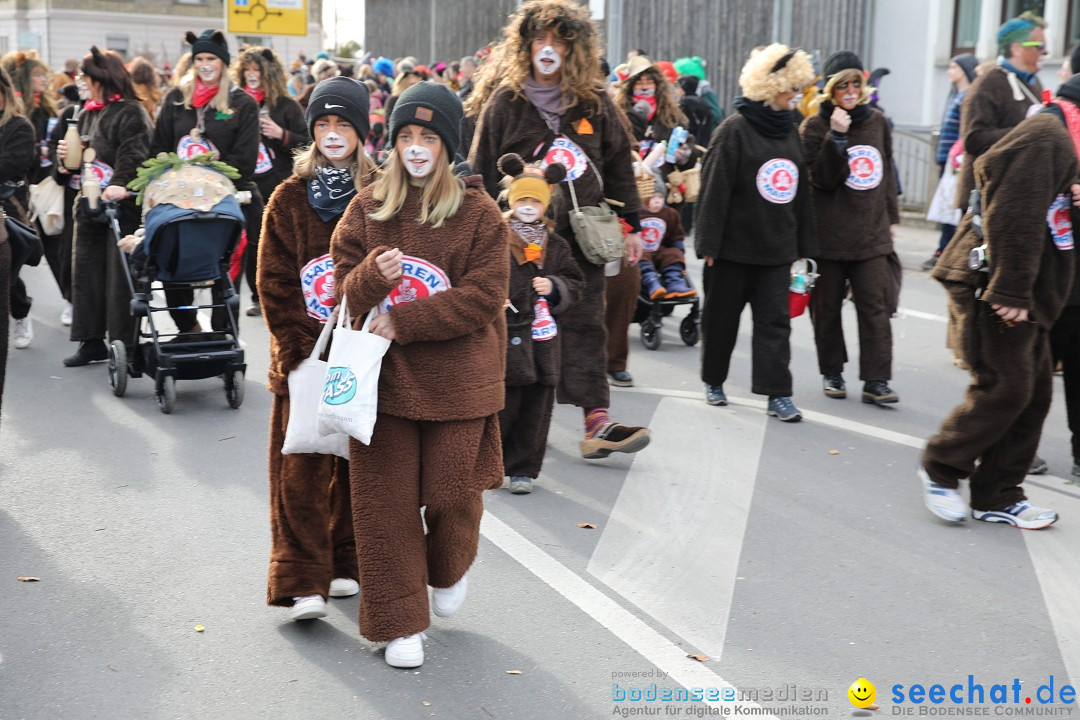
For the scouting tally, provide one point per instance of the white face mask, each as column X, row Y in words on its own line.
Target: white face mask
column 547, row 60
column 84, row 89
column 645, row 92
column 527, row 214
column 794, row 102
column 253, row 80
column 333, row 146
column 418, row 161
column 208, row 73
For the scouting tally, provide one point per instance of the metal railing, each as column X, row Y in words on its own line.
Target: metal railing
column 914, row 155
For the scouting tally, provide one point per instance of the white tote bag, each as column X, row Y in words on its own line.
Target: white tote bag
column 941, row 208
column 47, row 206
column 305, row 392
column 350, row 398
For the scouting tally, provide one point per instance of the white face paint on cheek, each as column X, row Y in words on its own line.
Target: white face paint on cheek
column 547, row 60
column 208, row 73
column 645, row 92
column 418, row 160
column 333, row 146
column 527, row 214
column 252, row 80
column 793, row 102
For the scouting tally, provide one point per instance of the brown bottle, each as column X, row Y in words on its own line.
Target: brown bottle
column 73, row 159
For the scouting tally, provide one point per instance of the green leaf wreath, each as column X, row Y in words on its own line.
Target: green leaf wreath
column 156, row 166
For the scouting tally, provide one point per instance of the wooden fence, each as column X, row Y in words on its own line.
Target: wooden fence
column 433, row 30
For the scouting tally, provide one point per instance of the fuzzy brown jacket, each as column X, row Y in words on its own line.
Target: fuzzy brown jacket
column 852, row 223
column 448, row 360
column 512, row 124
column 530, row 362
column 292, row 236
column 1018, row 179
column 120, row 135
column 990, row 110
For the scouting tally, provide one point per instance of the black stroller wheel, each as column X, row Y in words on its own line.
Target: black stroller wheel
column 118, row 371
column 650, row 334
column 689, row 331
column 166, row 394
column 234, row 388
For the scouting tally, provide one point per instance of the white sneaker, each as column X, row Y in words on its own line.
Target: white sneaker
column 65, row 314
column 309, row 607
column 24, row 333
column 1023, row 515
column 944, row 502
column 447, row 601
column 406, row 652
column 343, row 587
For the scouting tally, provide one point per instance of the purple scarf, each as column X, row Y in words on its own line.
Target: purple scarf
column 548, row 99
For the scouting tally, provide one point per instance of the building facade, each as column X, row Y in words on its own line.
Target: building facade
column 62, row 29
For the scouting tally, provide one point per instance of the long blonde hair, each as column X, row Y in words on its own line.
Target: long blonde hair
column 443, row 192
column 307, row 160
column 865, row 94
column 12, row 104
column 220, row 102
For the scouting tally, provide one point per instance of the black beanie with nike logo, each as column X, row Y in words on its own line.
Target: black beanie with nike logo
column 344, row 97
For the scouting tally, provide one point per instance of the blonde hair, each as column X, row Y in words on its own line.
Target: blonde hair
column 865, row 93
column 404, row 81
column 510, row 62
column 307, row 160
column 220, row 101
column 21, row 66
column 761, row 80
column 183, row 64
column 443, row 192
column 13, row 106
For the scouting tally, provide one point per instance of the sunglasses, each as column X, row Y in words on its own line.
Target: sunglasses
column 1033, row 44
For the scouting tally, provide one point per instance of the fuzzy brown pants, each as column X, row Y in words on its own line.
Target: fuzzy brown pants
column 1000, row 421
column 620, row 292
column 311, row 534
column 443, row 467
column 523, row 424
column 870, row 289
column 100, row 296
column 582, row 377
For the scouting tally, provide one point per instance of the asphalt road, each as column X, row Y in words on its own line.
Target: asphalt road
column 788, row 554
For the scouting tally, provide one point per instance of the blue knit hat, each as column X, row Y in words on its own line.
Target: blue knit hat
column 385, row 66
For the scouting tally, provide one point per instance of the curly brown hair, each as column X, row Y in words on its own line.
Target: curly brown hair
column 20, row 66
column 511, row 60
column 270, row 68
column 668, row 112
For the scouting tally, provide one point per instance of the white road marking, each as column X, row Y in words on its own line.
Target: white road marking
column 621, row 623
column 673, row 540
column 936, row 317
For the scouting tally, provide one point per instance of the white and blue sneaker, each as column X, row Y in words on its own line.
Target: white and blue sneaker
column 1022, row 515
column 944, row 502
column 782, row 408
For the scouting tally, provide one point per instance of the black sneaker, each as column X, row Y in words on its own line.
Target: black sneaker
column 621, row 378
column 878, row 392
column 834, row 386
column 929, row 264
column 89, row 351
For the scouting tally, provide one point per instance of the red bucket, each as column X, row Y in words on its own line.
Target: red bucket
column 797, row 302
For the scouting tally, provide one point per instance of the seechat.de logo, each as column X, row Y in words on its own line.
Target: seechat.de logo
column 340, row 386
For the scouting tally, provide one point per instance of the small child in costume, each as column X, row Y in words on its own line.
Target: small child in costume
column 663, row 263
column 544, row 281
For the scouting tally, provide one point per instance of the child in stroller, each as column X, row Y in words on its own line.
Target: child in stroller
column 192, row 224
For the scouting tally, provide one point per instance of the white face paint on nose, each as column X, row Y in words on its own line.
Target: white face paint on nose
column 645, row 92
column 252, row 80
column 418, row 160
column 333, row 146
column 547, row 60
column 207, row 73
column 527, row 214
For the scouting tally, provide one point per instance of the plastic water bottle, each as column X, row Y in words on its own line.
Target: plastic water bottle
column 678, row 137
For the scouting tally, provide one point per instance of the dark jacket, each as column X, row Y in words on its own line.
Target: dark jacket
column 1019, row 178
column 512, row 124
column 854, row 186
column 530, row 362
column 18, row 158
column 287, row 114
column 39, row 119
column 448, row 361
column 120, row 136
column 754, row 206
column 990, row 110
column 235, row 135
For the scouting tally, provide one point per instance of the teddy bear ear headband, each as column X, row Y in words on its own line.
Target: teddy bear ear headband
column 513, row 165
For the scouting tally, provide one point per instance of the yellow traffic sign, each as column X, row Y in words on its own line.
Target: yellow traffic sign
column 266, row 17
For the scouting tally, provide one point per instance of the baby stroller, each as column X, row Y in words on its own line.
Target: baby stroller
column 192, row 224
column 651, row 313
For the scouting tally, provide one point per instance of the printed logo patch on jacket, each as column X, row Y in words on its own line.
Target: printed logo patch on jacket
column 264, row 161
column 99, row 172
column 419, row 279
column 566, row 151
column 1059, row 220
column 317, row 282
column 866, row 167
column 189, row 147
column 778, row 180
column 652, row 233
column 543, row 325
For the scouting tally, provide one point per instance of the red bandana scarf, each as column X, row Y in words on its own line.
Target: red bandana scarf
column 258, row 94
column 95, row 105
column 1072, row 122
column 203, row 94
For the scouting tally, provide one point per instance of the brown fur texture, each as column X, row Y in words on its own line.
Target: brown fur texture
column 989, row 112
column 5, row 301
column 620, row 301
column 524, row 425
column 447, row 362
column 443, row 467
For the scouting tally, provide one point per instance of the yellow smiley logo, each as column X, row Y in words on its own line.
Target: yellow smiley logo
column 862, row 693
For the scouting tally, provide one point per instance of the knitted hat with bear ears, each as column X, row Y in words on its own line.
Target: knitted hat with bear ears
column 530, row 182
column 210, row 41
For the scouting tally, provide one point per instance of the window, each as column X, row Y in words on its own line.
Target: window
column 1012, row 8
column 1072, row 38
column 966, row 26
column 118, row 44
